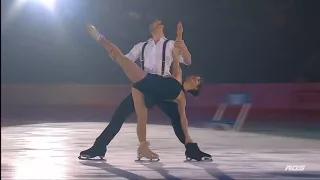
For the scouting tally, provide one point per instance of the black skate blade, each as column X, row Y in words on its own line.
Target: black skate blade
column 91, row 159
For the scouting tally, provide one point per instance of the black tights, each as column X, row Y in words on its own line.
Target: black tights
column 126, row 108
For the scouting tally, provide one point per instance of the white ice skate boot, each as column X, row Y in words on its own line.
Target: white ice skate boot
column 145, row 152
column 94, row 32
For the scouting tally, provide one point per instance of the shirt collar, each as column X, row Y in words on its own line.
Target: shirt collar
column 161, row 39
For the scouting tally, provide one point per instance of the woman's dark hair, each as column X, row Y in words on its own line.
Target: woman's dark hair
column 196, row 92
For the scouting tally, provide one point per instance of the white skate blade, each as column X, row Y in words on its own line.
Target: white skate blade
column 140, row 160
column 207, row 159
column 203, row 159
column 101, row 158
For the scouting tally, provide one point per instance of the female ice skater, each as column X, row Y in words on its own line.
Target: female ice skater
column 171, row 88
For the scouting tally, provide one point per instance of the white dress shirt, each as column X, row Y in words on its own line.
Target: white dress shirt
column 153, row 56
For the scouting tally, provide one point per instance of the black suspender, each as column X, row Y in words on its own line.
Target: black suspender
column 163, row 56
column 142, row 55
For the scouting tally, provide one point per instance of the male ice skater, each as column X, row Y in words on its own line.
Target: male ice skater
column 156, row 58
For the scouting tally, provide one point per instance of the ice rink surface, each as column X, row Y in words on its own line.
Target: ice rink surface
column 50, row 151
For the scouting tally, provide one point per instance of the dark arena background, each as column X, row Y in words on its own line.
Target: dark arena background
column 258, row 114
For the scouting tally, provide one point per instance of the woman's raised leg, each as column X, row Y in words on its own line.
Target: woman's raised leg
column 131, row 69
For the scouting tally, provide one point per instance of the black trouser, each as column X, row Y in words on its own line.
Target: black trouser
column 126, row 108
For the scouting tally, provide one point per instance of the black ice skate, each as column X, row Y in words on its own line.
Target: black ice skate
column 193, row 152
column 94, row 151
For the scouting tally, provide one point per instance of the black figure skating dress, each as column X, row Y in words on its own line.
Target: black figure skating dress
column 159, row 88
